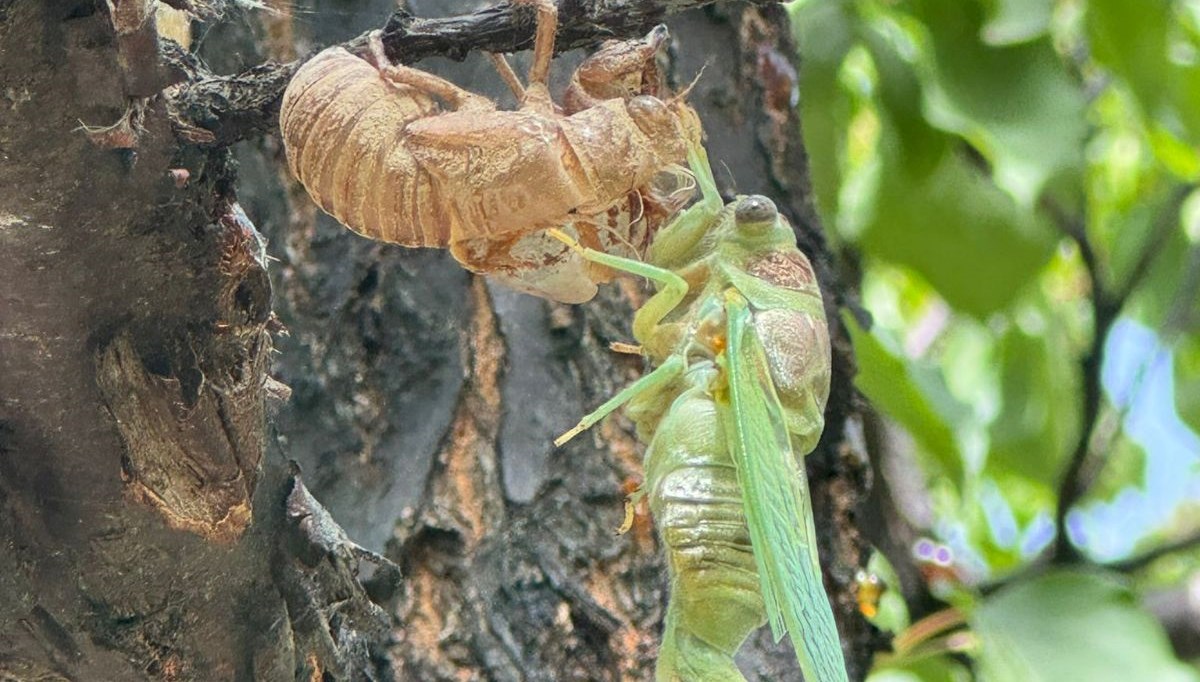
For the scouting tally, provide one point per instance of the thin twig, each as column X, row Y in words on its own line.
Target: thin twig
column 1104, row 312
column 1167, row 221
column 1134, row 563
column 1084, row 463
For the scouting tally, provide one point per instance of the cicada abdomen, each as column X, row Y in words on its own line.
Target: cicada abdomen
column 692, row 486
column 343, row 126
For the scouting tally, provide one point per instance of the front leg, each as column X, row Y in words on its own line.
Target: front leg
column 673, row 288
column 543, row 41
column 663, row 376
column 681, row 242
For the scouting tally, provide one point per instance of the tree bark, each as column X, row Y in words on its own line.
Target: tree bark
column 157, row 525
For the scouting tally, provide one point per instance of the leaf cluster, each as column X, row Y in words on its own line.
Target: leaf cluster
column 1017, row 178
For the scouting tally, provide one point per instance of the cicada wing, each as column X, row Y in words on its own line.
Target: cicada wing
column 776, row 500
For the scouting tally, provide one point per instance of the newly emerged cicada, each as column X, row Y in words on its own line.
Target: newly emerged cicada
column 738, row 335
column 403, row 156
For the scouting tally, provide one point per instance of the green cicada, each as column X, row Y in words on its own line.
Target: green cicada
column 738, row 336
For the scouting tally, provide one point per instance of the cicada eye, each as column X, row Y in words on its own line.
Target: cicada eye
column 755, row 212
column 650, row 114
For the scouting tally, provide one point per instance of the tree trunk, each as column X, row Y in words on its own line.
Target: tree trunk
column 154, row 520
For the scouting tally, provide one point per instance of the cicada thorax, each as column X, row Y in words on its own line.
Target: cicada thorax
column 343, row 127
column 538, row 264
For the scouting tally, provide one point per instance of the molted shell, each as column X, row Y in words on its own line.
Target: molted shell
column 343, row 127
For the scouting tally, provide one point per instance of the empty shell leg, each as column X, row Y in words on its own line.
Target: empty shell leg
column 543, row 43
column 441, row 88
column 507, row 75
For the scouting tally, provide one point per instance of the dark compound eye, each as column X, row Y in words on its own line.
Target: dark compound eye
column 754, row 210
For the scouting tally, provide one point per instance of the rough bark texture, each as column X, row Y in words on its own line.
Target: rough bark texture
column 152, row 525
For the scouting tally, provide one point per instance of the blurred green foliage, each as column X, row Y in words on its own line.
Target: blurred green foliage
column 1017, row 175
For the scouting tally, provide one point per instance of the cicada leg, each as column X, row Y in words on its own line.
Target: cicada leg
column 626, row 348
column 631, row 503
column 537, row 95
column 451, row 94
column 664, row 375
column 543, row 41
column 507, row 75
column 674, row 288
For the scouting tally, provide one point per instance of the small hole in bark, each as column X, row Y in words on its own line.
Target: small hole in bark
column 432, row 540
column 243, row 297
column 369, row 282
column 157, row 363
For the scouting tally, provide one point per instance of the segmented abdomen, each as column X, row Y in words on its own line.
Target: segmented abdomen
column 343, row 127
column 697, row 505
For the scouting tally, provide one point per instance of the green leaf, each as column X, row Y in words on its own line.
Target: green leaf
column 1135, row 40
column 892, row 611
column 1017, row 21
column 889, row 382
column 1164, row 298
column 934, row 669
column 965, row 236
column 935, row 212
column 1124, row 466
column 1017, row 104
column 1038, row 424
column 1072, row 626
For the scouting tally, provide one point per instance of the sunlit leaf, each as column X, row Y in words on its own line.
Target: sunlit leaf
column 1177, row 156
column 1187, row 381
column 1124, row 465
column 936, row 212
column 934, row 669
column 1135, row 41
column 1073, row 626
column 1017, row 104
column 891, row 610
column 1017, row 21
column 824, row 33
column 1165, row 296
column 1038, row 424
column 965, row 236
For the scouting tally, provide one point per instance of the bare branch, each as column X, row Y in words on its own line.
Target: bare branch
column 241, row 106
column 1086, row 462
column 1189, row 541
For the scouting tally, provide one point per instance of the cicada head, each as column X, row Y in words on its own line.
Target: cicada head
column 619, row 70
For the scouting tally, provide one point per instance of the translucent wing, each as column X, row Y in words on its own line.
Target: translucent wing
column 775, row 495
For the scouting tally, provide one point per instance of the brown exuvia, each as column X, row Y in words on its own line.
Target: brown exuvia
column 403, row 156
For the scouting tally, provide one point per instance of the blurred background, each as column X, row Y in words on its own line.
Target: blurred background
column 1015, row 181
